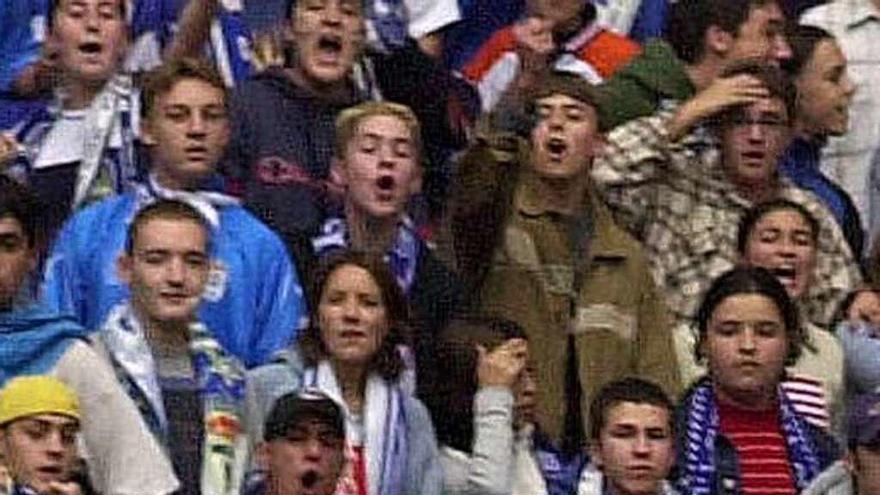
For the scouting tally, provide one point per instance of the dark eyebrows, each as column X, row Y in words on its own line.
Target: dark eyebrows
column 772, row 114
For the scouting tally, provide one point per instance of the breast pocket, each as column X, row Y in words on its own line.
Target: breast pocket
column 606, row 319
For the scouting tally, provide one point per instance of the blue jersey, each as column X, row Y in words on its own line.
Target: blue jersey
column 253, row 302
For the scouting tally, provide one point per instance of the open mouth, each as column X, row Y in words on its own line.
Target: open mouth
column 330, row 45
column 51, row 471
column 556, row 147
column 310, row 479
column 786, row 274
column 385, row 183
column 91, row 48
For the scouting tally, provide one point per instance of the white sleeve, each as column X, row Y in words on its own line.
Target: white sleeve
column 123, row 456
column 428, row 16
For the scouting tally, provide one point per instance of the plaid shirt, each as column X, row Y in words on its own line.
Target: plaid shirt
column 676, row 199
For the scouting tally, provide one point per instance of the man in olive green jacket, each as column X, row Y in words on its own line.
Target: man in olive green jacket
column 535, row 246
column 702, row 38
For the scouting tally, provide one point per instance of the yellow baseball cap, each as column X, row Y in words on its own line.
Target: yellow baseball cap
column 38, row 394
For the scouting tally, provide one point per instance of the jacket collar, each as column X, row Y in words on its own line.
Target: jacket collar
column 608, row 242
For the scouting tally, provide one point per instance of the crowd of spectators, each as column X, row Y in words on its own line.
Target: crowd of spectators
column 477, row 247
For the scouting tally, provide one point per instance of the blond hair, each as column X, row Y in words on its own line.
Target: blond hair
column 350, row 118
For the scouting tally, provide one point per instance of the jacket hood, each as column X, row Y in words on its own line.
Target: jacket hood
column 652, row 69
column 33, row 338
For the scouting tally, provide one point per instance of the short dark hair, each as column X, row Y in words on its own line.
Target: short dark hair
column 18, row 201
column 168, row 210
column 689, row 20
column 449, row 393
column 388, row 361
column 756, row 213
column 628, row 389
column 564, row 83
column 54, row 5
column 803, row 40
column 777, row 82
column 751, row 280
column 162, row 79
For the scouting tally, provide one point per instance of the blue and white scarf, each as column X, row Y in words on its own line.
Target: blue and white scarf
column 385, row 440
column 401, row 258
column 388, row 18
column 113, row 108
column 205, row 202
column 703, row 428
column 221, row 381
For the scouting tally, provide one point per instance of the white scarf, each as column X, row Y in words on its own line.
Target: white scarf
column 383, row 424
column 527, row 477
column 205, row 202
column 109, row 106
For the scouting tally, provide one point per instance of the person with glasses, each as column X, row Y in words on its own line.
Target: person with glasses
column 681, row 180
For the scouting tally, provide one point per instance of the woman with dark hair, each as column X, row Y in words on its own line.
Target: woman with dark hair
column 737, row 431
column 354, row 351
column 781, row 236
column 824, row 93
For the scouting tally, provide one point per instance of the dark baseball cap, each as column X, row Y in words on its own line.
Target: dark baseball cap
column 294, row 408
column 864, row 421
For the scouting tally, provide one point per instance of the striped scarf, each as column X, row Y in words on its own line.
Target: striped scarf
column 101, row 172
column 703, row 427
column 385, row 431
column 221, row 381
column 401, row 257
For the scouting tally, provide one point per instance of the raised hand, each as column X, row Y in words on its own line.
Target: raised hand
column 502, row 366
column 722, row 94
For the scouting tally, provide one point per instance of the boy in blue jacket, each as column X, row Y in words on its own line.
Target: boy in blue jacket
column 252, row 301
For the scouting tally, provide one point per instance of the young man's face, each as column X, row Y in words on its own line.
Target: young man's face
column 824, row 91
column 867, row 465
column 380, row 169
column 167, row 270
column 564, row 139
column 753, row 140
column 762, row 35
column 635, row 448
column 91, row 37
column 782, row 242
column 17, row 260
column 188, row 131
column 746, row 345
column 308, row 461
column 328, row 35
column 40, row 450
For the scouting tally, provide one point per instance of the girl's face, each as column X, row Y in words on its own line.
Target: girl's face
column 782, row 242
column 746, row 345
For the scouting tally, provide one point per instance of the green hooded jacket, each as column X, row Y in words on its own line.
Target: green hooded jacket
column 638, row 89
